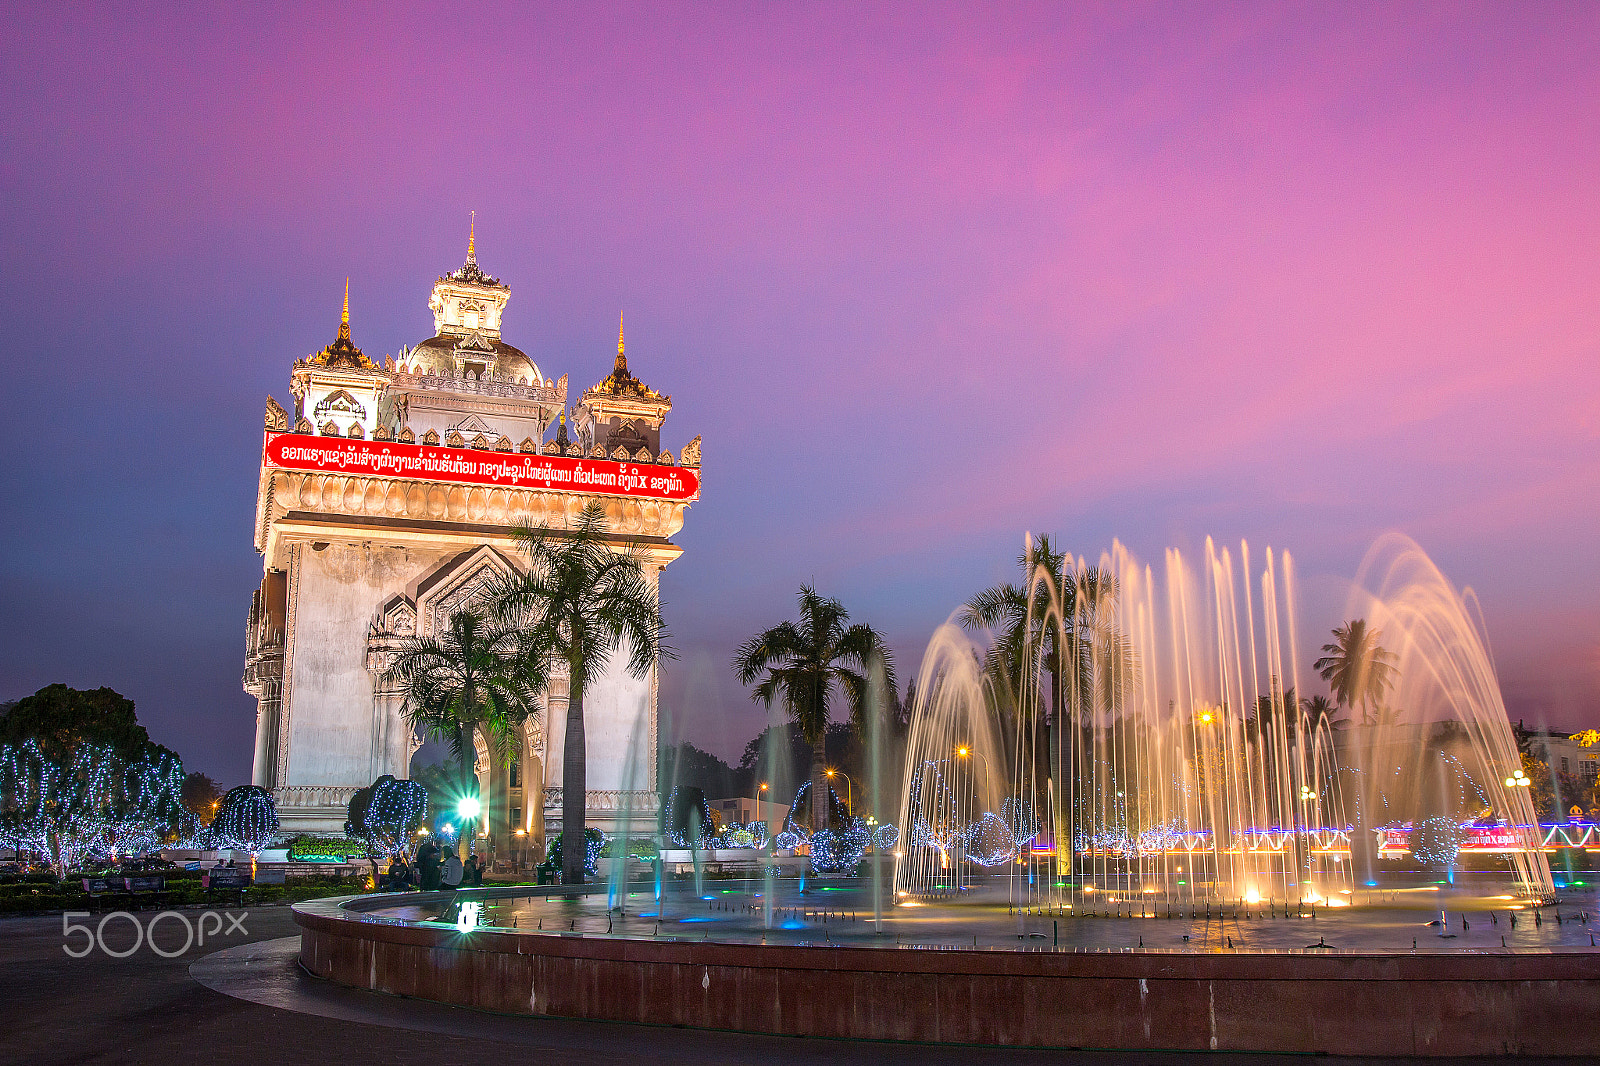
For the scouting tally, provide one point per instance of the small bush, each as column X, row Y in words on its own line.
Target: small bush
column 313, row 848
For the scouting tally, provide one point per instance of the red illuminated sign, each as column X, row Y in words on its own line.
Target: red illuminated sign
column 336, row 455
column 1474, row 838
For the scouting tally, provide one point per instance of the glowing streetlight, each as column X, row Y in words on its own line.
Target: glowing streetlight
column 964, row 752
column 849, row 789
column 1518, row 780
column 469, row 807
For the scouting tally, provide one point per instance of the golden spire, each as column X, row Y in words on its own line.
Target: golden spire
column 472, row 235
column 344, row 319
column 622, row 360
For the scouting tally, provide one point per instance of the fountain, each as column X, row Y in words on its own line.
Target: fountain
column 1173, row 757
column 1445, row 672
column 1119, row 829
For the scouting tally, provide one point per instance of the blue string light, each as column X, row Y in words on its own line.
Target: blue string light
column 247, row 819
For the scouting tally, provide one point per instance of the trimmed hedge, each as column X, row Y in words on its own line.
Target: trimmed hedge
column 180, row 892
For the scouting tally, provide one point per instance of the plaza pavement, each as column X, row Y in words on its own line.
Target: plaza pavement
column 146, row 1008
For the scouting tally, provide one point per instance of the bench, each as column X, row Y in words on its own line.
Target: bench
column 225, row 879
column 99, row 888
column 151, row 888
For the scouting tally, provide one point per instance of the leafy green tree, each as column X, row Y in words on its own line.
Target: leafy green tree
column 683, row 764
column 806, row 664
column 61, row 718
column 580, row 603
column 1358, row 669
column 80, row 777
column 201, row 795
column 473, row 677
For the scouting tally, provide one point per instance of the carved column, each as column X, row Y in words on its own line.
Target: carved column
column 263, row 674
column 533, row 795
column 263, row 679
column 391, row 734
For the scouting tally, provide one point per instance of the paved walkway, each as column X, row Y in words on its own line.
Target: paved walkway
column 147, row 1008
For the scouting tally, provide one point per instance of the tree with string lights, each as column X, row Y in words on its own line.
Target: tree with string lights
column 384, row 815
column 88, row 801
column 247, row 819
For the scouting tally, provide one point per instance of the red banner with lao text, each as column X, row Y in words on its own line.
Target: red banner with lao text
column 375, row 458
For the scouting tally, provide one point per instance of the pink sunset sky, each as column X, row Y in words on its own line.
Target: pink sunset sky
column 924, row 276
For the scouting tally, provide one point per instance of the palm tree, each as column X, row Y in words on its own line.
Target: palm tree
column 1082, row 650
column 1085, row 655
column 470, row 678
column 1269, row 706
column 1318, row 709
column 805, row 664
column 581, row 602
column 1358, row 670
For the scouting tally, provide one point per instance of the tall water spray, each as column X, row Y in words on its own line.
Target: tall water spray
column 1148, row 746
column 1140, row 739
column 1444, row 672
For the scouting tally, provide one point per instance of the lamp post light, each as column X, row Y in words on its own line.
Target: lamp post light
column 849, row 790
column 1518, row 779
column 966, row 752
column 760, row 790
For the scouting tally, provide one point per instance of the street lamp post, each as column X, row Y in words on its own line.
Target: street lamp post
column 849, row 790
column 966, row 752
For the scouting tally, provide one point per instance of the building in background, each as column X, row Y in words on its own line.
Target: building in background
column 387, row 498
column 744, row 810
column 1563, row 755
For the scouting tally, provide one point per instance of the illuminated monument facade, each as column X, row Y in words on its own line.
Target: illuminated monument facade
column 387, row 497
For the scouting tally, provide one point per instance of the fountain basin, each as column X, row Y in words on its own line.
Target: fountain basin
column 1351, row 1003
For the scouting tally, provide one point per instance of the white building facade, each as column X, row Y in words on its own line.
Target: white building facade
column 387, row 499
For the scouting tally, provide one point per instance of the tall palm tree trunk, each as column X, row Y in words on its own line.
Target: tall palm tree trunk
column 819, row 787
column 468, row 787
column 574, row 782
column 1061, row 773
